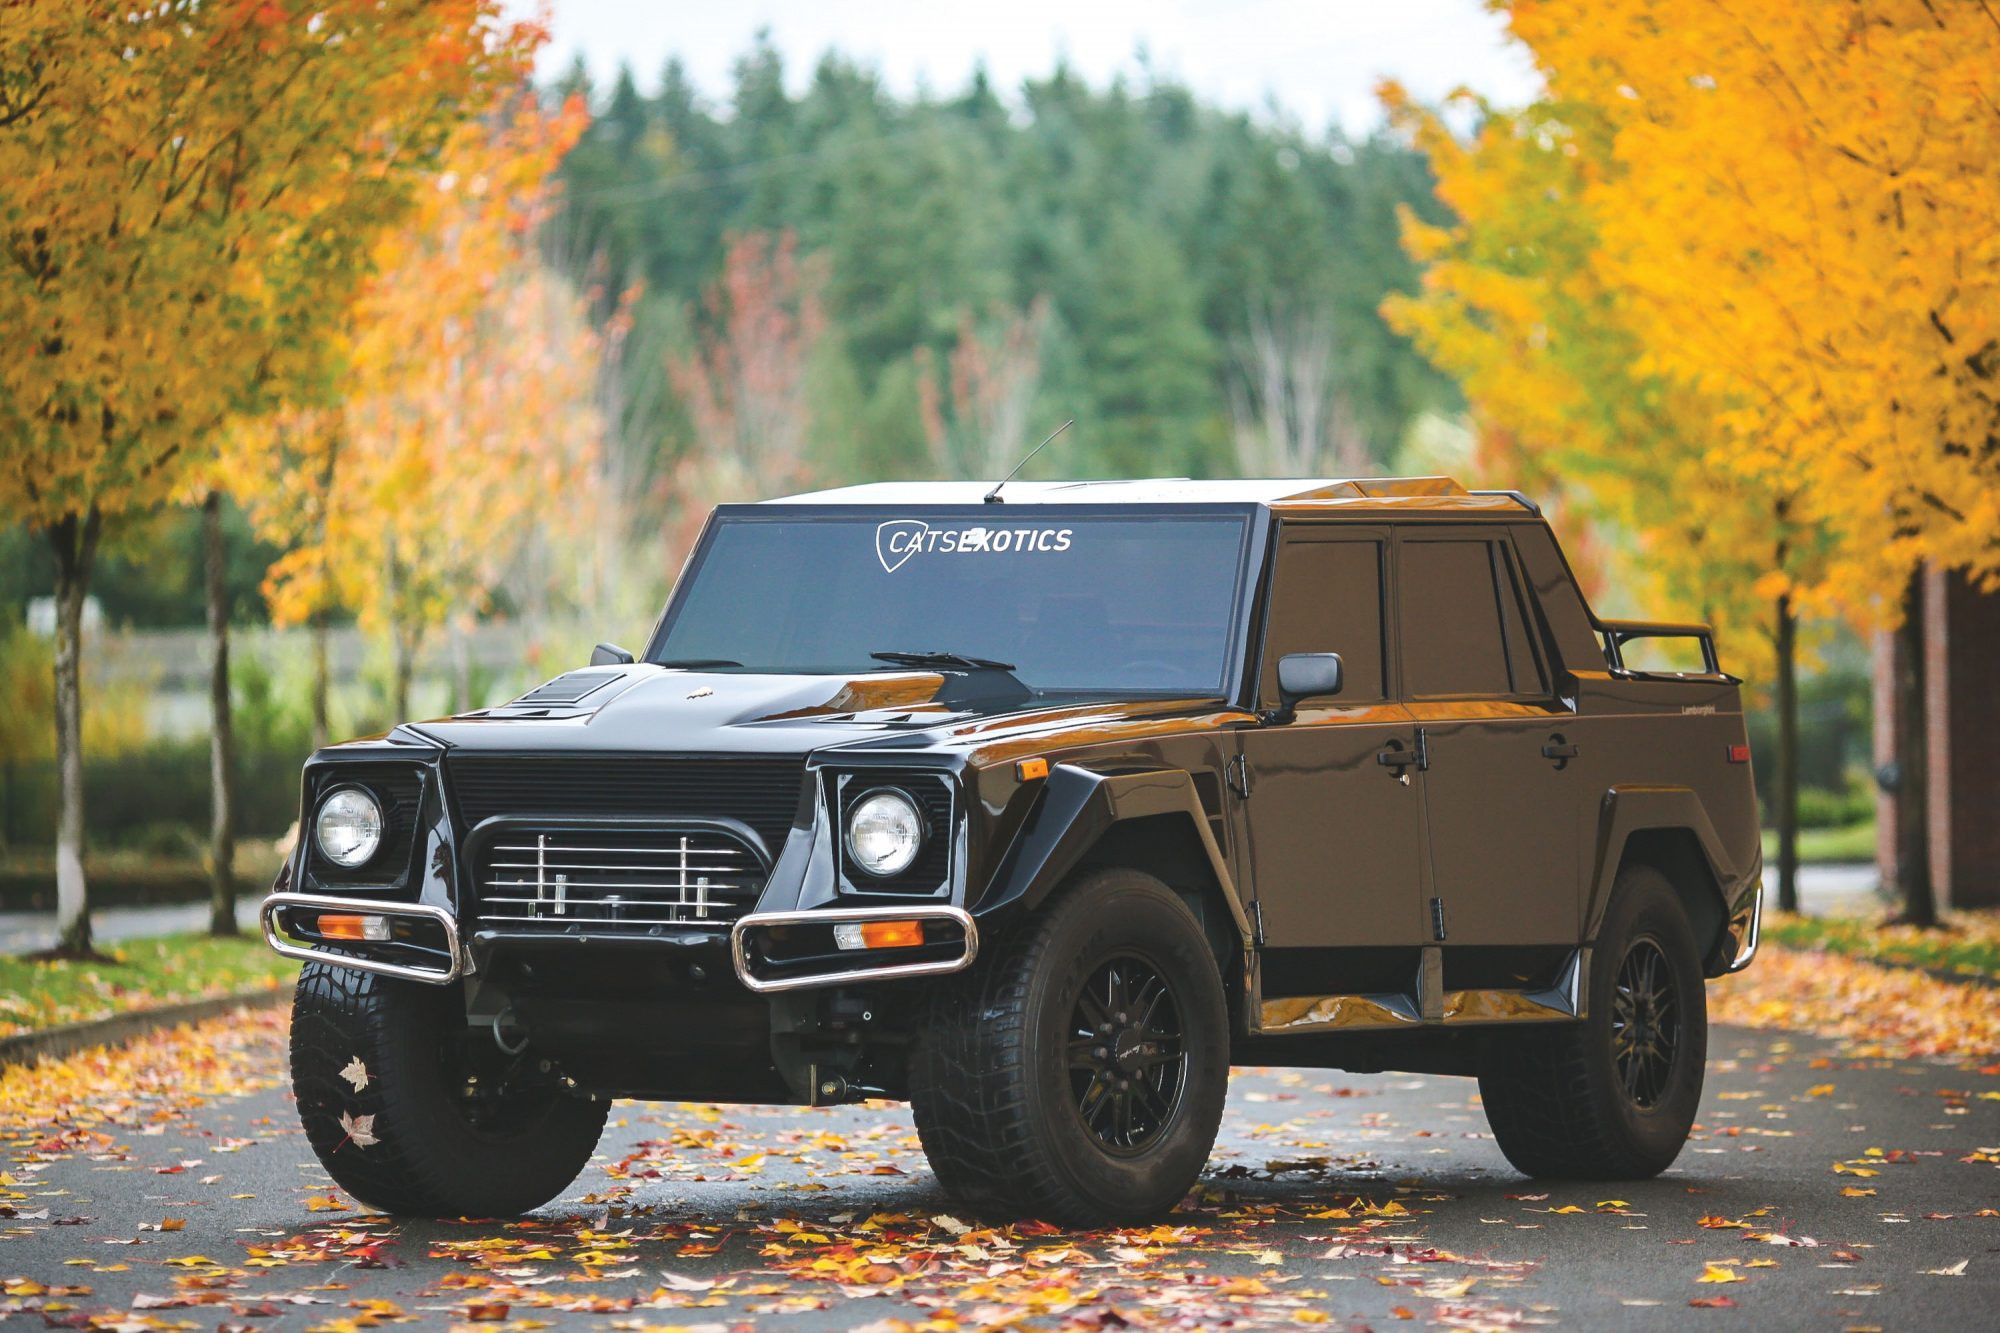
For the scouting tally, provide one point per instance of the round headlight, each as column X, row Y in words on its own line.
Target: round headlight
column 348, row 827
column 885, row 831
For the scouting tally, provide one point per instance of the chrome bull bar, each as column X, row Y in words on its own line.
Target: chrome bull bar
column 459, row 965
column 745, row 967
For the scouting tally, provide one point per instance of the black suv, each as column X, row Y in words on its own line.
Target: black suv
column 1039, row 814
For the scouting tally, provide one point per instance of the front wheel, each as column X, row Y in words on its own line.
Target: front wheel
column 1612, row 1097
column 411, row 1113
column 1078, row 1073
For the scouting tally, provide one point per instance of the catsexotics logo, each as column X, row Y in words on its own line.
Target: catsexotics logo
column 900, row 538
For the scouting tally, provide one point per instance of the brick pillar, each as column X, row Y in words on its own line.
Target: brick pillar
column 1963, row 680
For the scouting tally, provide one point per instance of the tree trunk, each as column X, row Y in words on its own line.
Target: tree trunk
column 1913, row 824
column 221, row 735
column 320, row 733
column 1787, row 789
column 74, row 542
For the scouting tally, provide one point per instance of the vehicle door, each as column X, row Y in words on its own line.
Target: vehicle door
column 1332, row 837
column 1499, row 785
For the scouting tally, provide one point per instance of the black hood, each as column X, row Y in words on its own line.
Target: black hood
column 644, row 707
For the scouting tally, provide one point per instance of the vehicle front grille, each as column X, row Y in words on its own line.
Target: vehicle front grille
column 762, row 793
column 618, row 880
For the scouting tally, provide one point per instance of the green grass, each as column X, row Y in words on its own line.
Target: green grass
column 1968, row 944
column 143, row 974
column 1827, row 845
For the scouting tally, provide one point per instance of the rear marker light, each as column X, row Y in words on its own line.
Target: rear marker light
column 878, row 934
column 343, row 927
column 1739, row 754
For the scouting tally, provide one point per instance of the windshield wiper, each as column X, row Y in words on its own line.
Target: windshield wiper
column 943, row 660
column 696, row 663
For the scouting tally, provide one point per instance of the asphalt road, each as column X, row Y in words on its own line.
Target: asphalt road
column 1332, row 1198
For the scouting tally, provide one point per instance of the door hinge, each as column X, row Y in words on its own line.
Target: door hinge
column 1423, row 749
column 1257, row 923
column 1237, row 774
column 1437, row 919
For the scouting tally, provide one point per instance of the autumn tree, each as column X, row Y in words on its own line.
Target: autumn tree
column 467, row 423
column 746, row 384
column 977, row 423
column 1803, row 224
column 192, row 189
column 1516, row 302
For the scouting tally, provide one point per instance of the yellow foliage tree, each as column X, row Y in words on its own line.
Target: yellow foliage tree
column 1804, row 223
column 1515, row 302
column 468, row 423
column 192, row 188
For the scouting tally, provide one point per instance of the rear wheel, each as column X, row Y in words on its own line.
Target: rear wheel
column 1614, row 1096
column 412, row 1113
column 1077, row 1074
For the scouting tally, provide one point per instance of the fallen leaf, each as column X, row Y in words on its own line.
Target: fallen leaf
column 356, row 1073
column 360, row 1129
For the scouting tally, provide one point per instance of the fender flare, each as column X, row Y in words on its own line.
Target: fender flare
column 1076, row 807
column 1631, row 809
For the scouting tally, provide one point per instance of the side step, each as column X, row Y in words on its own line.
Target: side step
column 1428, row 1004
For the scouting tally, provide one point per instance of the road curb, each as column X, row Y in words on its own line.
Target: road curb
column 26, row 1048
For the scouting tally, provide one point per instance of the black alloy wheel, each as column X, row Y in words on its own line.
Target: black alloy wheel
column 1611, row 1095
column 1645, row 1024
column 1077, row 1072
column 1127, row 1055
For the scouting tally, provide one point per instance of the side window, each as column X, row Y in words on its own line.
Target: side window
column 1327, row 598
column 1522, row 663
column 1454, row 643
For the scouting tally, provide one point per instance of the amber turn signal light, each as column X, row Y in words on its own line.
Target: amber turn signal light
column 1028, row 770
column 336, row 926
column 878, row 934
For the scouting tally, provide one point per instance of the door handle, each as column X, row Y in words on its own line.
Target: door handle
column 1560, row 750
column 1395, row 756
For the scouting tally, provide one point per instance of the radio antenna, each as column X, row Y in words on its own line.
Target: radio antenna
column 993, row 496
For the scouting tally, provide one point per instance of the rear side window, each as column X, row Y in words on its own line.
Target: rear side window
column 1327, row 598
column 1464, row 629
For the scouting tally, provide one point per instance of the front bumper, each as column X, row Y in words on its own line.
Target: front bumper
column 769, row 951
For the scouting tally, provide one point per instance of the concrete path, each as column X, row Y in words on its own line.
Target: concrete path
column 27, row 932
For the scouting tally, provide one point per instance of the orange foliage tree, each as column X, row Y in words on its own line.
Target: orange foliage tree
column 468, row 424
column 193, row 187
column 980, row 429
column 746, row 383
column 1802, row 222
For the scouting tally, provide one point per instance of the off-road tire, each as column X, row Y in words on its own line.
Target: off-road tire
column 428, row 1160
column 1555, row 1099
column 990, row 1079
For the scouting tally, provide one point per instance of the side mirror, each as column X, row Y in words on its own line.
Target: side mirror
column 609, row 654
column 1307, row 676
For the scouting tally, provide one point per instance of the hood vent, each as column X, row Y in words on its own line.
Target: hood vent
column 569, row 688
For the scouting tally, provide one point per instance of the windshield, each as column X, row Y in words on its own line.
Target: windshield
column 1072, row 602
